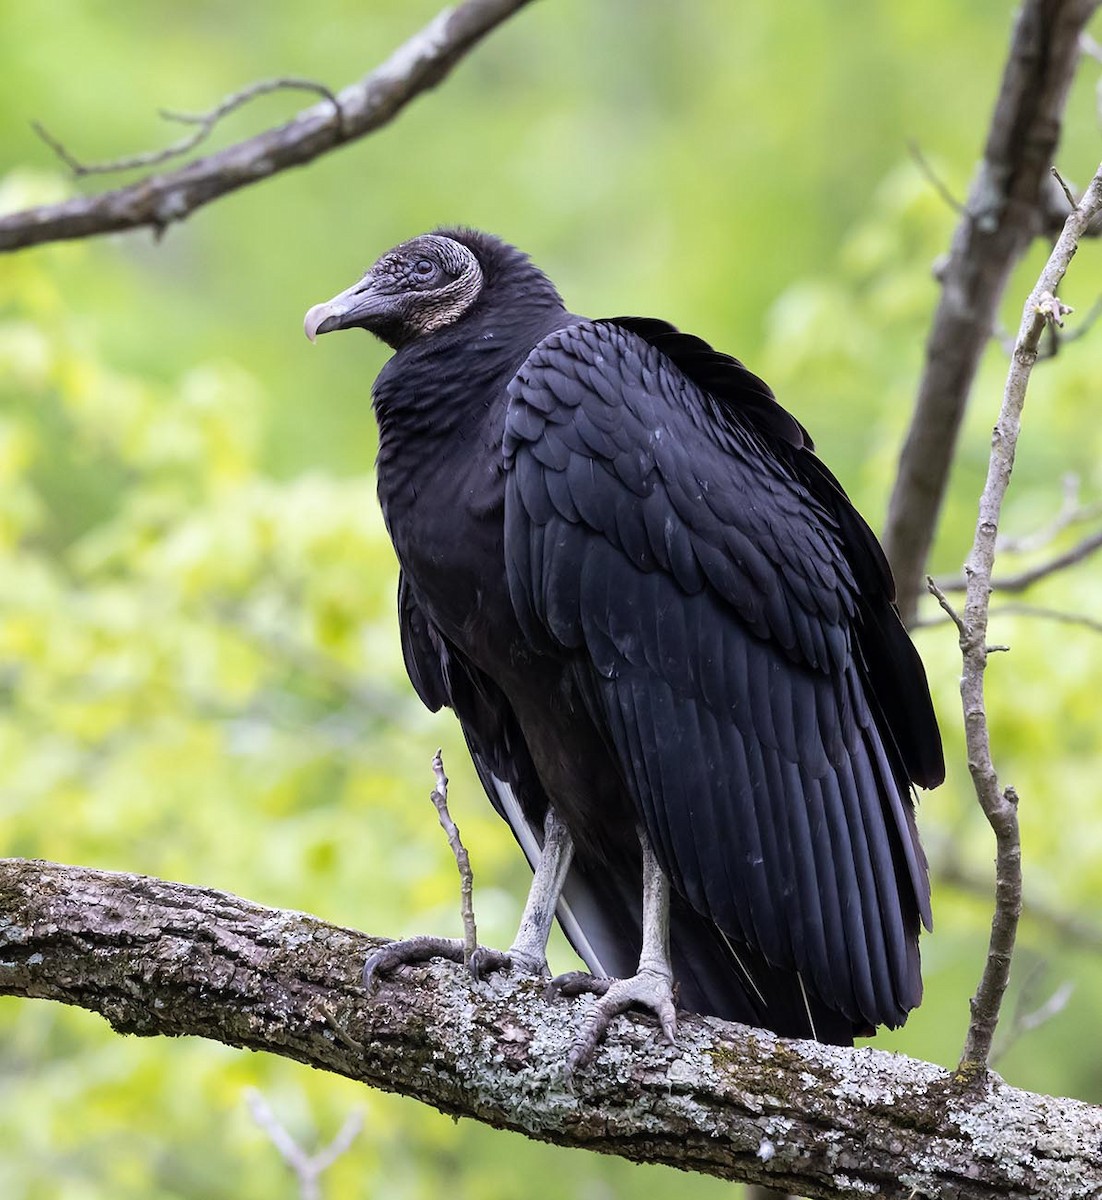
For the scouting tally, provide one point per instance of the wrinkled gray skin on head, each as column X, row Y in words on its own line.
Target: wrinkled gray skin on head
column 415, row 289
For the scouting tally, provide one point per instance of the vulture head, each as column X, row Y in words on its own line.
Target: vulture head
column 430, row 282
column 418, row 287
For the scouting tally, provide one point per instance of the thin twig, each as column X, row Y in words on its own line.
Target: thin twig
column 1082, row 550
column 1028, row 1015
column 204, row 123
column 1000, row 804
column 307, row 1168
column 439, row 798
column 947, row 608
column 1064, row 187
column 933, row 178
column 1071, row 512
column 1079, row 620
column 154, row 202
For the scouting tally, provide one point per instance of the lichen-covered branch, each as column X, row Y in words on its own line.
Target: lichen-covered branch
column 1000, row 805
column 159, row 958
column 1004, row 211
column 155, row 202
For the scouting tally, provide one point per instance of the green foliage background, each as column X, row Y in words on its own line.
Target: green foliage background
column 199, row 671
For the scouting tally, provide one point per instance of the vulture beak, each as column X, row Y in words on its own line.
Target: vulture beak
column 356, row 305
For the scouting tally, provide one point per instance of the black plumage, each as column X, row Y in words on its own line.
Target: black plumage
column 653, row 609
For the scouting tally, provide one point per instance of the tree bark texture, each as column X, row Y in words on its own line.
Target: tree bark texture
column 1004, row 212
column 158, row 958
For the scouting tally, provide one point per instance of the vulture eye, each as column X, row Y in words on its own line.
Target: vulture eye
column 424, row 268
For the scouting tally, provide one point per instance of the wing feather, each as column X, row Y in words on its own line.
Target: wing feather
column 711, row 587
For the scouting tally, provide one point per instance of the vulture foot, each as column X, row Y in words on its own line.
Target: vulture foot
column 648, row 989
column 484, row 961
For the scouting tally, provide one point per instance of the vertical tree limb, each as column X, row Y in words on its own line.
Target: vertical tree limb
column 1001, row 217
column 1000, row 805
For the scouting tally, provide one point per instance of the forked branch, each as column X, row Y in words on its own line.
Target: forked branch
column 1000, row 804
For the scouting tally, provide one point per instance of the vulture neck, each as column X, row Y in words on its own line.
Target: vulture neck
column 450, row 387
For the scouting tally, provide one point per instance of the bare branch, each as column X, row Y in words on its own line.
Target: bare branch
column 1000, row 805
column 1004, row 211
column 307, row 1168
column 1069, row 927
column 936, row 182
column 157, row 201
column 1064, row 188
column 439, row 799
column 943, row 600
column 204, row 122
column 1028, row 1015
column 1076, row 620
column 162, row 959
column 1082, row 550
column 1072, row 512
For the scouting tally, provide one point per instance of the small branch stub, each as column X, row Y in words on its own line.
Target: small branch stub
column 439, row 799
column 1052, row 309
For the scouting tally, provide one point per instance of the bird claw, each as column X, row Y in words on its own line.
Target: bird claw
column 408, row 950
column 484, row 961
column 577, row 983
column 647, row 989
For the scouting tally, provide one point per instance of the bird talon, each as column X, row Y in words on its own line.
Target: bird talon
column 406, row 952
column 577, row 983
column 648, row 990
column 485, row 961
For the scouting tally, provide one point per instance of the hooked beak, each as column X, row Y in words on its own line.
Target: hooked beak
column 356, row 305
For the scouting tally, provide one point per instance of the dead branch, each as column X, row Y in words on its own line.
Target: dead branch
column 205, row 124
column 1000, row 804
column 1082, row 550
column 163, row 959
column 1004, row 211
column 155, row 202
column 439, row 799
column 1030, row 1014
column 1068, row 927
column 1072, row 512
column 306, row 1168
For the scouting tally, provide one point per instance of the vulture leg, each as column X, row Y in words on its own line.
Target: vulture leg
column 527, row 954
column 652, row 984
column 529, row 948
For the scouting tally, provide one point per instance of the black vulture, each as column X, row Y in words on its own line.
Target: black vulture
column 670, row 641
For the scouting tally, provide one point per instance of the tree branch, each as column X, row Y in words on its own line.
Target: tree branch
column 204, row 125
column 947, row 868
column 1082, row 549
column 1002, row 215
column 157, row 201
column 158, row 958
column 1001, row 805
